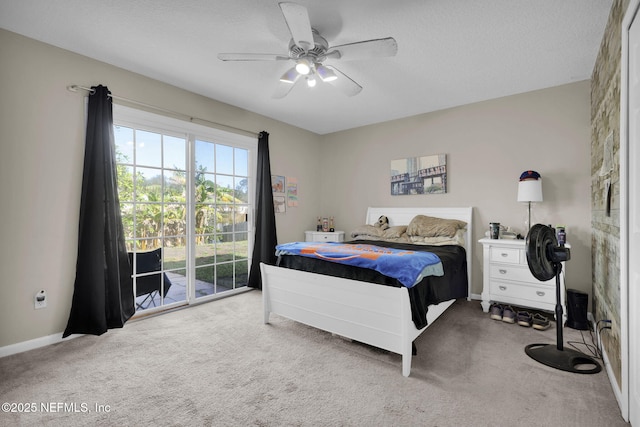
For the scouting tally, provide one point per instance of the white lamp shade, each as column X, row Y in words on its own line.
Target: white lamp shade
column 530, row 190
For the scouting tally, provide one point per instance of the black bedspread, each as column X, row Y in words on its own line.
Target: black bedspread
column 431, row 290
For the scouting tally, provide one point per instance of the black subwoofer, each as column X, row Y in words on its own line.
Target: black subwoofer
column 577, row 303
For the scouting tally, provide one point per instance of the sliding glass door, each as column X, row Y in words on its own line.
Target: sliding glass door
column 185, row 198
column 221, row 213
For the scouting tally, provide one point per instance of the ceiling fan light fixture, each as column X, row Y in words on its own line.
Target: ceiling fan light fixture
column 311, row 81
column 290, row 76
column 303, row 66
column 326, row 74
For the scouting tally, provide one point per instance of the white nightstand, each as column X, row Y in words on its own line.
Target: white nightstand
column 507, row 278
column 324, row 236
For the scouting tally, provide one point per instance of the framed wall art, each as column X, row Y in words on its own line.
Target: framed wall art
column 279, row 204
column 419, row 175
column 277, row 183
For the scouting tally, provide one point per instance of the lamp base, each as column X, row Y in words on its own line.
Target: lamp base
column 528, row 221
column 566, row 360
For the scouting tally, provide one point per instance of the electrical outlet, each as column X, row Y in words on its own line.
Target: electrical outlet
column 40, row 300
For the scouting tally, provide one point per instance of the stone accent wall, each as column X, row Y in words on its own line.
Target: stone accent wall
column 605, row 238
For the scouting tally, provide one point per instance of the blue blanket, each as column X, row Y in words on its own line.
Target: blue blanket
column 407, row 266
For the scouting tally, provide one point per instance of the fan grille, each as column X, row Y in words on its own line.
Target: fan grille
column 541, row 242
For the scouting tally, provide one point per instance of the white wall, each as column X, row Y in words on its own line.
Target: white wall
column 488, row 145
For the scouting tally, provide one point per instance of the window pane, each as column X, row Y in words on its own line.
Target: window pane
column 224, row 189
column 205, row 219
column 175, row 153
column 241, row 190
column 123, row 138
column 224, row 159
column 204, row 187
column 241, row 161
column 205, row 253
column 204, row 156
column 148, row 222
column 148, row 148
column 126, row 211
column 175, row 224
column 175, row 187
column 224, row 277
column 148, row 184
column 204, row 281
column 178, row 290
column 242, row 274
column 175, row 257
column 125, row 182
column 143, row 245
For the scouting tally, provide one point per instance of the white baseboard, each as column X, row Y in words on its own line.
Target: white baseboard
column 612, row 379
column 34, row 343
column 617, row 392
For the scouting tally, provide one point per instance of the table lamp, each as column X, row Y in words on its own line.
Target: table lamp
column 529, row 190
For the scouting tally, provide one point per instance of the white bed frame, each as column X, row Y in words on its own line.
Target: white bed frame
column 376, row 315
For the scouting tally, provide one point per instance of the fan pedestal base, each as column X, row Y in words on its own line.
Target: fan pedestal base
column 565, row 360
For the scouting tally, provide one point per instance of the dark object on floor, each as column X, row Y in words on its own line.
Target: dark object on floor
column 540, row 322
column 545, row 257
column 509, row 314
column 495, row 312
column 577, row 303
column 149, row 285
column 524, row 319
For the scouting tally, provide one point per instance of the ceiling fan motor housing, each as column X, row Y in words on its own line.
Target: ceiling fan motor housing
column 317, row 54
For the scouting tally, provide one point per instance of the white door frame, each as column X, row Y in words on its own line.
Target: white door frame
column 629, row 373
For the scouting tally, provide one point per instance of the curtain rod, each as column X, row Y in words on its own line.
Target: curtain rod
column 76, row 88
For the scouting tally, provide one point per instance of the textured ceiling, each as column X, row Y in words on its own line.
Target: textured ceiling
column 450, row 52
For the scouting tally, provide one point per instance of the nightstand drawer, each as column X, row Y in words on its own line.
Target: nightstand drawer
column 321, row 236
column 518, row 273
column 506, row 255
column 536, row 294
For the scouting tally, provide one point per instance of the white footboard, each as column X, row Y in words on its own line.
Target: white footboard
column 373, row 314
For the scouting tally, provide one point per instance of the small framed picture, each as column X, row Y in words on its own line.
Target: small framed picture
column 277, row 183
column 279, row 204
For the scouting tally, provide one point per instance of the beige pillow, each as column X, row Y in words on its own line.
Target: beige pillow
column 367, row 230
column 372, row 231
column 458, row 239
column 428, row 226
column 394, row 232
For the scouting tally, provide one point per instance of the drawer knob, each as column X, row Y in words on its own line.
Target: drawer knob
column 540, row 293
column 502, row 271
column 503, row 288
column 504, row 255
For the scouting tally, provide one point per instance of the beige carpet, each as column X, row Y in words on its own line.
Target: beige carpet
column 217, row 364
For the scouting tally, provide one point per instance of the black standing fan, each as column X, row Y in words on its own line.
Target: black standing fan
column 545, row 258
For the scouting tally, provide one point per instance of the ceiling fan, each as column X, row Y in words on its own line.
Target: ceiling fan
column 308, row 49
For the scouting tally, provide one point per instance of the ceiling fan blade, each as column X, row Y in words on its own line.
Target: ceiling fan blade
column 366, row 49
column 344, row 82
column 285, row 86
column 297, row 19
column 252, row 57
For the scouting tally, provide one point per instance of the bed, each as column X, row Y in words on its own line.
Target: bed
column 373, row 314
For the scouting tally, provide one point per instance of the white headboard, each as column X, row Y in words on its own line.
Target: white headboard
column 402, row 216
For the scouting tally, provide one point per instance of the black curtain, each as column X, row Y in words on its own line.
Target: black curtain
column 103, row 289
column 264, row 248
